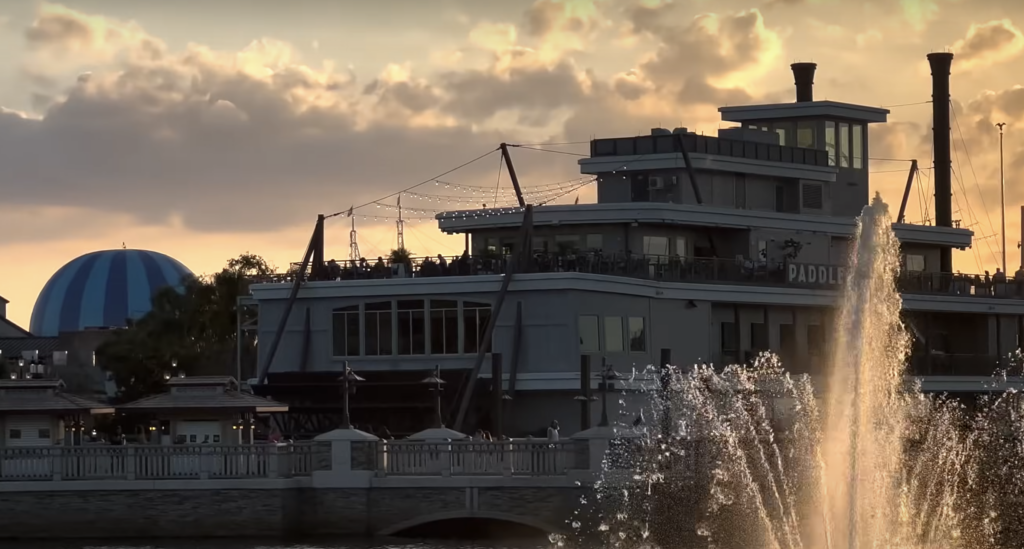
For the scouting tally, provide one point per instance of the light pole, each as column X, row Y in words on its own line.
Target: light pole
column 348, row 386
column 435, row 381
column 1002, row 193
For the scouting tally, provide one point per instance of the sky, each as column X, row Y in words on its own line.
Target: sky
column 207, row 129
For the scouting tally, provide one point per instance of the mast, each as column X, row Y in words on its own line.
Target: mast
column 1002, row 193
column 400, row 225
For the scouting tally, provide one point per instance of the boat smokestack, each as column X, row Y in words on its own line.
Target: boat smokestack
column 941, row 62
column 803, row 73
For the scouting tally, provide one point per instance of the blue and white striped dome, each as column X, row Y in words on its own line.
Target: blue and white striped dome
column 103, row 289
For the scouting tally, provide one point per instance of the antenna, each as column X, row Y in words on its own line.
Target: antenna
column 400, row 225
column 353, row 242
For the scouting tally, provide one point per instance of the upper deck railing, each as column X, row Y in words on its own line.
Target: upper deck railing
column 666, row 269
column 706, row 144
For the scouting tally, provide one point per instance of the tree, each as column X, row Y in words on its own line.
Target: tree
column 194, row 330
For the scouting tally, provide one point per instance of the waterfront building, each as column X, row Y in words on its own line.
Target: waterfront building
column 38, row 412
column 699, row 249
column 202, row 410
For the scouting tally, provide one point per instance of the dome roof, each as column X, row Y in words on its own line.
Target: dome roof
column 103, row 289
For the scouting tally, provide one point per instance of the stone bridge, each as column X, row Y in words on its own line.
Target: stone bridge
column 344, row 484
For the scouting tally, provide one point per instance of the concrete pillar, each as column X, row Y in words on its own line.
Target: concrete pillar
column 342, row 474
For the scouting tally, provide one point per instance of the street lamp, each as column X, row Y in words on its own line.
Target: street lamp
column 173, row 372
column 435, row 381
column 608, row 376
column 348, row 386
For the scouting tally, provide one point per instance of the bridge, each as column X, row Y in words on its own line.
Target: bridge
column 344, row 483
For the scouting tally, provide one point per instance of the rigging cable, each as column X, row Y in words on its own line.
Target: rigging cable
column 970, row 164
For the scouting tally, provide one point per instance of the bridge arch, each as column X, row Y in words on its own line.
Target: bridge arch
column 539, row 525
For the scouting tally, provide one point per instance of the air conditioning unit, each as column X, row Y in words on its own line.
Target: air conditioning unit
column 655, row 182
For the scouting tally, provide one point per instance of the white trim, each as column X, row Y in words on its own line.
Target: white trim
column 707, row 162
column 773, row 111
column 536, row 282
column 689, row 215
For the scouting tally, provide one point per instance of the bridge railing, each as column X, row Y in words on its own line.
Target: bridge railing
column 70, row 463
column 477, row 458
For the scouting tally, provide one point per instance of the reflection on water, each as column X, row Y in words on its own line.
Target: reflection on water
column 256, row 544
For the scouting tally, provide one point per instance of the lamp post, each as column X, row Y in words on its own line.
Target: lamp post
column 348, row 386
column 434, row 380
column 608, row 376
column 173, row 371
column 21, row 368
column 1002, row 194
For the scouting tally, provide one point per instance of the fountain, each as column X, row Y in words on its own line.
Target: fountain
column 762, row 459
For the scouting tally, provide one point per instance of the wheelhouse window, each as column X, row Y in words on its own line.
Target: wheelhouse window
column 913, row 263
column 474, row 324
column 444, row 327
column 613, row 340
column 412, row 327
column 830, row 142
column 637, row 335
column 805, row 134
column 858, row 146
column 844, row 145
column 590, row 340
column 378, row 336
column 345, row 331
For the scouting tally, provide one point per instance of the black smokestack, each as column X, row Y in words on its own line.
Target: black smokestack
column 941, row 63
column 804, row 75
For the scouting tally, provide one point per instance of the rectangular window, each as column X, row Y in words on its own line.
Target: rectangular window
column 759, row 336
column 474, row 325
column 567, row 242
column 14, row 434
column 913, row 263
column 762, row 250
column 682, row 250
column 805, row 135
column 785, row 131
column 44, row 434
column 780, row 198
column 815, row 339
column 345, row 334
column 656, row 245
column 844, row 145
column 637, row 335
column 730, row 341
column 444, row 327
column 491, row 244
column 613, row 333
column 378, row 337
column 595, row 241
column 830, row 142
column 858, row 146
column 589, row 338
column 412, row 327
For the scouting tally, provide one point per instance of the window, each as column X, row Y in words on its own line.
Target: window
column 785, row 131
column 762, row 250
column 637, row 335
column 780, row 198
column 830, row 142
column 655, row 245
column 491, row 244
column 14, row 434
column 595, row 241
column 346, row 331
column 730, row 339
column 844, row 145
column 44, row 434
column 540, row 244
column 377, row 337
column 805, row 135
column 567, row 242
column 813, row 196
column 858, row 146
column 589, row 339
column 474, row 324
column 913, row 263
column 412, row 327
column 444, row 327
column 613, row 334
column 682, row 250
column 759, row 336
column 815, row 339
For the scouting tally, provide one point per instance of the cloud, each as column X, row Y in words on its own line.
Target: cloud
column 989, row 43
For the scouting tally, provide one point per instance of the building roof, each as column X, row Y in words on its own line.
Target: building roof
column 776, row 111
column 44, row 396
column 14, row 328
column 104, row 288
column 12, row 347
column 222, row 396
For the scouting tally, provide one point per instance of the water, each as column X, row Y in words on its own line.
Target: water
column 864, row 461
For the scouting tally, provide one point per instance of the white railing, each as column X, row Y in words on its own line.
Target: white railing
column 472, row 458
column 159, row 462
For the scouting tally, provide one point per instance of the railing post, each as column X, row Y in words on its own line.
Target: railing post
column 130, row 463
column 56, row 462
column 205, row 462
column 274, row 469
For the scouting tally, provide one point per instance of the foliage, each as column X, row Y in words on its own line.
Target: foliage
column 400, row 256
column 194, row 330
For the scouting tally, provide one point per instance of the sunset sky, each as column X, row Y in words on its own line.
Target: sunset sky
column 206, row 129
